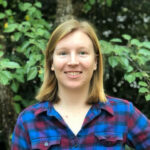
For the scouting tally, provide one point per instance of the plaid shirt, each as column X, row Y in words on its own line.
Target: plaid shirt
column 107, row 126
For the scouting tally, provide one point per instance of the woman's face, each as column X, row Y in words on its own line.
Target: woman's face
column 74, row 61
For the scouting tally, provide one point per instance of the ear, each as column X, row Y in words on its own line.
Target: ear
column 52, row 67
column 95, row 65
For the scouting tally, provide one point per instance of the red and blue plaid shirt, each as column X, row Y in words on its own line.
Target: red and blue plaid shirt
column 107, row 126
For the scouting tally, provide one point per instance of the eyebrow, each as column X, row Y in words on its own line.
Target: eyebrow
column 61, row 48
column 66, row 48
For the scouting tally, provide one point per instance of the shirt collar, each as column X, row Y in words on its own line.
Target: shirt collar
column 42, row 107
column 46, row 106
column 105, row 106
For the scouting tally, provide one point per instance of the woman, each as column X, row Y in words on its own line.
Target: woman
column 73, row 112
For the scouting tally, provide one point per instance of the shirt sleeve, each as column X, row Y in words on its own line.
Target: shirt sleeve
column 139, row 129
column 20, row 138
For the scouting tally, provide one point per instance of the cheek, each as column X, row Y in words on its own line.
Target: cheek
column 90, row 64
column 58, row 64
column 86, row 65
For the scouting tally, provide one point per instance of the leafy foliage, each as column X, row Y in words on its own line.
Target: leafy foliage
column 133, row 59
column 90, row 3
column 115, row 17
column 25, row 34
column 27, row 37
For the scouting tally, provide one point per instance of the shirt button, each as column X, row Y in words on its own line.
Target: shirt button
column 46, row 144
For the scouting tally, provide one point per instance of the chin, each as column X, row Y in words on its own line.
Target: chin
column 74, row 87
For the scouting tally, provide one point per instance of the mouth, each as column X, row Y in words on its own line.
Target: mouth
column 73, row 73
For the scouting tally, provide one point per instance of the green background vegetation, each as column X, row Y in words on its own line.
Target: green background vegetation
column 124, row 31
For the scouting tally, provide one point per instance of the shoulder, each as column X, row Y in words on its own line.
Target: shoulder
column 115, row 100
column 32, row 111
column 125, row 108
column 120, row 105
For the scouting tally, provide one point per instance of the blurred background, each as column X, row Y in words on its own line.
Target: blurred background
column 123, row 28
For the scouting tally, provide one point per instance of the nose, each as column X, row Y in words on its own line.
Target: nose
column 73, row 60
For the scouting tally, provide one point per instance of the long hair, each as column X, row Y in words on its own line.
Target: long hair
column 49, row 88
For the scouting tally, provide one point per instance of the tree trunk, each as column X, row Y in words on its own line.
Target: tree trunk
column 7, row 115
column 64, row 11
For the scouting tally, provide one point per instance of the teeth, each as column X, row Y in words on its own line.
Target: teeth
column 73, row 73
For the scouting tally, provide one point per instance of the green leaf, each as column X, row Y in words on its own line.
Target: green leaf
column 116, row 40
column 120, row 50
column 17, row 98
column 33, row 60
column 24, row 46
column 38, row 4
column 1, row 47
column 17, row 36
column 32, row 73
column 124, row 61
column 146, row 44
column 25, row 103
column 5, row 77
column 143, row 90
column 38, row 57
column 126, row 37
column 109, row 3
column 129, row 69
column 14, row 86
column 40, row 32
column 17, row 108
column 33, row 12
column 92, row 2
column 138, row 74
column 46, row 35
column 4, row 3
column 87, row 7
column 141, row 83
column 144, row 52
column 30, row 62
column 107, row 47
column 19, row 76
column 41, row 74
column 2, row 15
column 25, row 6
column 147, row 97
column 36, row 14
column 8, row 12
column 40, row 44
column 139, row 59
column 145, row 74
column 10, row 28
column 26, row 26
column 113, row 61
column 1, row 53
column 135, row 42
column 130, row 77
column 31, row 35
column 9, row 64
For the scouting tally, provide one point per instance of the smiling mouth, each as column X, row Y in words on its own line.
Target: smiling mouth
column 73, row 73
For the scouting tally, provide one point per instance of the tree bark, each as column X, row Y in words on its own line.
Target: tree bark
column 64, row 11
column 7, row 115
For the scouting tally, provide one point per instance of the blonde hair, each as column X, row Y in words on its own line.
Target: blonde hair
column 49, row 88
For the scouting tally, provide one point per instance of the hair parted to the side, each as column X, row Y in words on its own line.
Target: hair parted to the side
column 49, row 87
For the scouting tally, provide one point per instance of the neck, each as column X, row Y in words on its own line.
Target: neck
column 73, row 97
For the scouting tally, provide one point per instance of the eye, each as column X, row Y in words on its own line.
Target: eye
column 83, row 53
column 62, row 53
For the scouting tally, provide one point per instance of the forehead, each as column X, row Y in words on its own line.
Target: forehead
column 75, row 38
